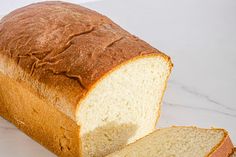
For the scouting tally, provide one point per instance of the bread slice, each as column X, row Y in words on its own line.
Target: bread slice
column 75, row 81
column 180, row 142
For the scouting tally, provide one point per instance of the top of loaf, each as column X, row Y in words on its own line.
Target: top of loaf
column 64, row 48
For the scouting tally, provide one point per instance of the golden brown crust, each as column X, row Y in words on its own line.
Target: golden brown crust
column 224, row 149
column 66, row 47
column 233, row 154
column 38, row 119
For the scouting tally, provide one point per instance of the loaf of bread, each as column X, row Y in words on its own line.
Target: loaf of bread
column 76, row 82
column 180, row 142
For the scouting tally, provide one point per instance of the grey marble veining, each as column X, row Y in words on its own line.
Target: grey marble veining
column 199, row 108
column 231, row 110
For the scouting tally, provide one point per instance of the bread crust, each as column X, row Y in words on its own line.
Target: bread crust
column 38, row 118
column 224, row 149
column 67, row 49
column 233, row 154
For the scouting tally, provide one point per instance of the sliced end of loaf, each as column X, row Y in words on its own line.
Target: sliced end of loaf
column 123, row 106
column 180, row 142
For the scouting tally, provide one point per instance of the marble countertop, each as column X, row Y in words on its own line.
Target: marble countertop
column 200, row 36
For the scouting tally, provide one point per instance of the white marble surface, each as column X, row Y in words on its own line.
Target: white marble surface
column 200, row 36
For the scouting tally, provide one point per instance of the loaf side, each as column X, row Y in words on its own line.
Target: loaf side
column 38, row 119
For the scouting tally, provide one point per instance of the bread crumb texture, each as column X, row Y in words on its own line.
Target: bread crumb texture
column 176, row 142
